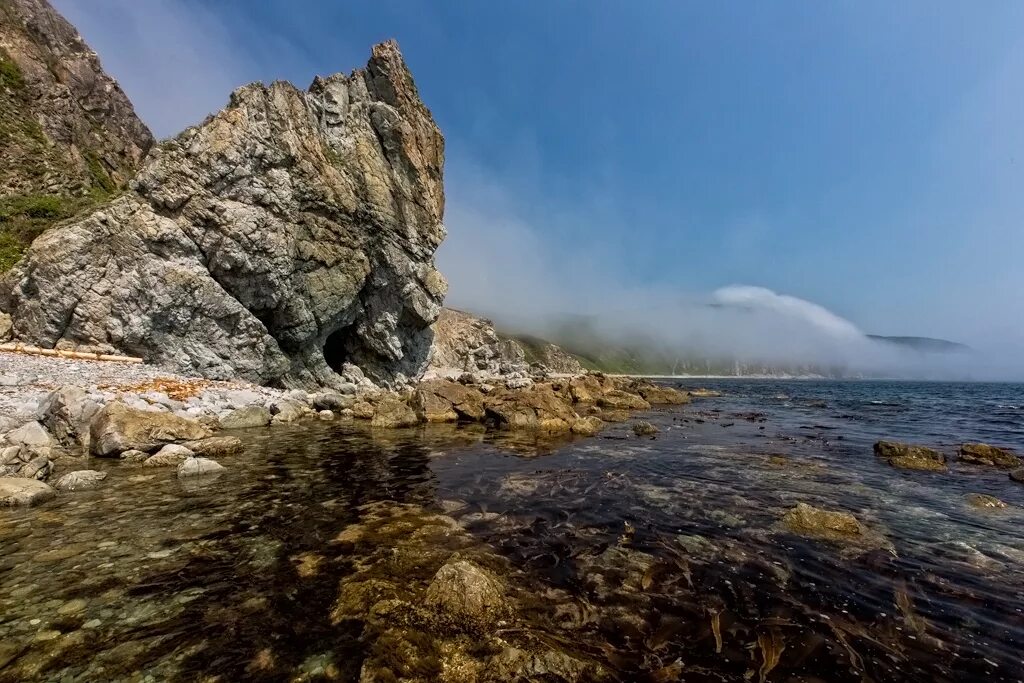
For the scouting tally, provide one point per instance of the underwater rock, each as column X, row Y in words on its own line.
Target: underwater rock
column 80, row 480
column 246, row 418
column 514, row 664
column 837, row 527
column 704, row 393
column 984, row 454
column 1017, row 475
column 644, row 428
column 911, row 457
column 467, row 592
column 981, row 500
column 117, row 428
column 170, row 455
column 215, row 446
column 197, row 466
column 21, row 491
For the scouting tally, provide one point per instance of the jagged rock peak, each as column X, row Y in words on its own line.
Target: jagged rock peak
column 286, row 239
column 67, row 126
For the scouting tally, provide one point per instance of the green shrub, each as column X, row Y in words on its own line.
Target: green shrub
column 10, row 74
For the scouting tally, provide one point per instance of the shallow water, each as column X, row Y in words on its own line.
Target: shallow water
column 661, row 558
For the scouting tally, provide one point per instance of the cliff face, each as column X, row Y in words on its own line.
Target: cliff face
column 285, row 238
column 69, row 135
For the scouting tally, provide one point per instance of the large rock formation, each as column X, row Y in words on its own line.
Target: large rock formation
column 69, row 134
column 285, row 239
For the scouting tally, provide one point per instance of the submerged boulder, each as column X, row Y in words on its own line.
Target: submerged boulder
column 982, row 500
column 984, row 454
column 285, row 238
column 21, row 491
column 117, row 427
column 466, row 592
column 191, row 467
column 911, row 457
column 80, row 480
column 838, row 528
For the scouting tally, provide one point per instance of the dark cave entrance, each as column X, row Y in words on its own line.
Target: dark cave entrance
column 336, row 350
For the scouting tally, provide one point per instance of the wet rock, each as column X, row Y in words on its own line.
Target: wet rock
column 362, row 410
column 393, row 413
column 655, row 395
column 117, row 428
column 981, row 500
column 644, row 428
column 588, row 426
column 80, row 480
column 215, row 446
column 1017, row 475
column 198, row 466
column 325, row 414
column 466, row 592
column 447, row 401
column 617, row 399
column 704, row 393
column 514, row 664
column 984, row 454
column 134, row 457
column 246, row 418
column 170, row 455
column 330, row 400
column 21, row 491
column 535, row 408
column 829, row 525
column 911, row 457
column 288, row 410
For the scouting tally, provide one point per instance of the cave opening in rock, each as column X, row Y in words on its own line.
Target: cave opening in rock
column 336, row 351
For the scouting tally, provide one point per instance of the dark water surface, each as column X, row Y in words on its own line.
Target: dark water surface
column 663, row 558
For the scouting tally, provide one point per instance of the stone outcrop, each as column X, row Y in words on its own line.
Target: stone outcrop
column 466, row 343
column 284, row 240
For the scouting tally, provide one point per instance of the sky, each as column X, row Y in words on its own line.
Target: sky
column 864, row 156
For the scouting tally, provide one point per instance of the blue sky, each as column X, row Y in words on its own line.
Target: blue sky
column 867, row 156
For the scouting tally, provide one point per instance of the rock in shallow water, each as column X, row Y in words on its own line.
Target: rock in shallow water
column 117, row 428
column 170, row 455
column 981, row 500
column 21, row 491
column 246, row 418
column 198, row 466
column 466, row 591
column 215, row 446
column 837, row 527
column 911, row 457
column 984, row 454
column 80, row 480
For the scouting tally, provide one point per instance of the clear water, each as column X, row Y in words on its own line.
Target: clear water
column 648, row 554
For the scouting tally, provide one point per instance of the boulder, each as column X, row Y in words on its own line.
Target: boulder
column 587, row 426
column 1017, row 475
column 984, row 454
column 617, row 399
column 362, row 410
column 981, row 500
column 535, row 408
column 911, row 457
column 644, row 428
column 330, row 400
column 215, row 446
column 288, row 410
column 38, row 467
column 393, row 413
column 31, row 434
column 199, row 466
column 117, row 428
column 134, row 457
column 170, row 455
column 21, row 491
column 66, row 413
column 447, row 401
column 467, row 593
column 246, row 418
column 658, row 395
column 807, row 520
column 276, row 241
column 585, row 389
column 80, row 480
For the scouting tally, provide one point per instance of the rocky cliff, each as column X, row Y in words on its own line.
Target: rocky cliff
column 69, row 135
column 285, row 240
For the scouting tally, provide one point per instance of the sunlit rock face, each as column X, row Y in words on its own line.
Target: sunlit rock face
column 284, row 240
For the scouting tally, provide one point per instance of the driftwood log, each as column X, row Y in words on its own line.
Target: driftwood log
column 59, row 353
